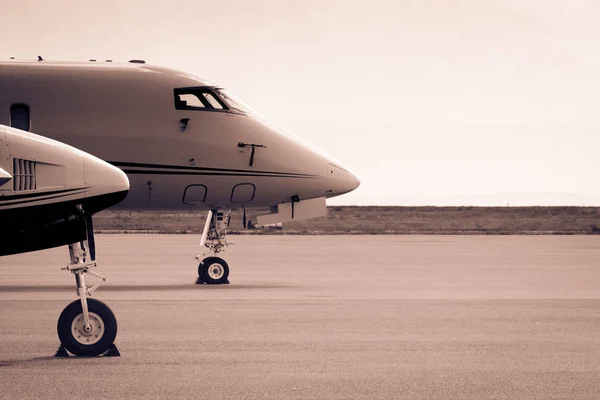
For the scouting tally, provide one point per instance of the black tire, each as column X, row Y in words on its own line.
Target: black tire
column 76, row 340
column 201, row 272
column 213, row 271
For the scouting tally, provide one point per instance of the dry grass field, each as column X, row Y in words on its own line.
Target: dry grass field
column 379, row 220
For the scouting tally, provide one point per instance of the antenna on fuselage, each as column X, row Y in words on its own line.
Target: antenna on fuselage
column 40, row 58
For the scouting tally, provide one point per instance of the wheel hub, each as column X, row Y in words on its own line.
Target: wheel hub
column 89, row 334
column 216, row 271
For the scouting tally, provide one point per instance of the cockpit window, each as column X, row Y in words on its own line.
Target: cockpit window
column 209, row 98
column 212, row 100
column 188, row 101
column 197, row 99
column 234, row 103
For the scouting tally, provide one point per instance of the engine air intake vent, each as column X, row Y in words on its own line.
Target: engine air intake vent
column 23, row 174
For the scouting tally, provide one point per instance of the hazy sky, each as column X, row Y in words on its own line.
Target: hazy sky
column 483, row 102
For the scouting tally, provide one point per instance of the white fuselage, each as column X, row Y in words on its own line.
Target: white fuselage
column 44, row 171
column 47, row 187
column 127, row 114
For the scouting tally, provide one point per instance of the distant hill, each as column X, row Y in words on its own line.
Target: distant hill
column 376, row 220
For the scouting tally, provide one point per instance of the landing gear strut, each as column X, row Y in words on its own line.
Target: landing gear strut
column 214, row 270
column 86, row 327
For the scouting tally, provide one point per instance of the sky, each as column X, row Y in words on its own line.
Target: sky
column 440, row 102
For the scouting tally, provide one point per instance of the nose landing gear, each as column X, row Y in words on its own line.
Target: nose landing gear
column 86, row 327
column 214, row 270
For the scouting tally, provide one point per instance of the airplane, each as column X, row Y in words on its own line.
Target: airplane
column 49, row 192
column 183, row 141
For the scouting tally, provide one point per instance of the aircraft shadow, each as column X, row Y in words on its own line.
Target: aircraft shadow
column 140, row 288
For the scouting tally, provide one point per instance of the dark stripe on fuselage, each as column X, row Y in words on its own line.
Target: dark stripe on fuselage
column 161, row 172
column 4, row 199
column 36, row 199
column 224, row 171
column 41, row 226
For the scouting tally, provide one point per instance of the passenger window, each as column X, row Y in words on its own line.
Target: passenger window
column 200, row 98
column 19, row 117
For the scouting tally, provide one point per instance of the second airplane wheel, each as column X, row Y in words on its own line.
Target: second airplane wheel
column 214, row 270
column 94, row 340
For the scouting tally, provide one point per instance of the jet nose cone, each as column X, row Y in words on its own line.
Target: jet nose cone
column 340, row 181
column 102, row 178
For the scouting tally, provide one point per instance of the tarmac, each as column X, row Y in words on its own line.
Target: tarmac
column 317, row 317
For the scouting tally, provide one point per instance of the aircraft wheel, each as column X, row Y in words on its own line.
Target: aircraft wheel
column 91, row 342
column 201, row 271
column 213, row 270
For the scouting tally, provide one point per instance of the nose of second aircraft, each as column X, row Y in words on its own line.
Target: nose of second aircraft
column 101, row 178
column 340, row 180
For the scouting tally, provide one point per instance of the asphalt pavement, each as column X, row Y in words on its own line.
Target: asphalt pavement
column 318, row 317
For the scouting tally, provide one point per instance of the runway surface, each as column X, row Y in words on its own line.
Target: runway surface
column 343, row 317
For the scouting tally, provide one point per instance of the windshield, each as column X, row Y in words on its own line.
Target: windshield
column 235, row 103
